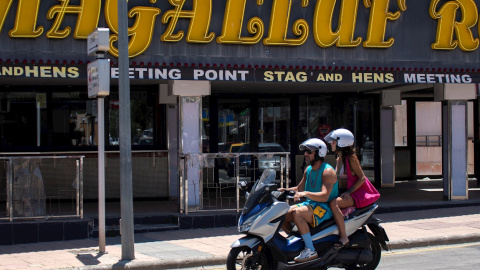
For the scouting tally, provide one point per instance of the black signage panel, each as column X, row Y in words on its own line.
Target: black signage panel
column 244, row 74
column 252, row 74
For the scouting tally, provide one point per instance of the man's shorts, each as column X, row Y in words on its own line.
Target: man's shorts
column 321, row 211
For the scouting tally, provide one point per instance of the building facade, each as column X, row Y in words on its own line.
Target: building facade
column 208, row 74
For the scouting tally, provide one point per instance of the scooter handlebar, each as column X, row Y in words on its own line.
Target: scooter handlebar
column 283, row 195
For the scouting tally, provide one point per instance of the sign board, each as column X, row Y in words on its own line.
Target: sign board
column 98, row 41
column 98, row 73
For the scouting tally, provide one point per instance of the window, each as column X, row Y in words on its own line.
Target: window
column 315, row 117
column 39, row 118
column 142, row 108
column 321, row 114
column 274, row 121
column 233, row 121
column 428, row 138
column 45, row 118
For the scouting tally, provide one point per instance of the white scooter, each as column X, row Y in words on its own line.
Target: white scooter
column 264, row 247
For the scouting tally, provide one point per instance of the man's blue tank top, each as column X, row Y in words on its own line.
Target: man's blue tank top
column 313, row 183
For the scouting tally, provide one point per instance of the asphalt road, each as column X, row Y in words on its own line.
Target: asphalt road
column 462, row 256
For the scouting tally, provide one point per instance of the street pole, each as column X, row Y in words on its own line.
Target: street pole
column 98, row 73
column 101, row 174
column 126, row 197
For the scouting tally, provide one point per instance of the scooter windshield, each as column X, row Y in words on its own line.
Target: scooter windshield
column 259, row 189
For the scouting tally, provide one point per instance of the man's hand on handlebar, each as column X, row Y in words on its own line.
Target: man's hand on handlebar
column 290, row 192
column 299, row 195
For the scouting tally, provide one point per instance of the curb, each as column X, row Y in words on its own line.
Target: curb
column 221, row 260
column 434, row 241
column 410, row 208
column 153, row 265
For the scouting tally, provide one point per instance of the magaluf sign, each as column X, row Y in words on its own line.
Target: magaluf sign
column 236, row 74
column 329, row 23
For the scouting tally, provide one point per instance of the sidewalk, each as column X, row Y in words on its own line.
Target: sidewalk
column 203, row 247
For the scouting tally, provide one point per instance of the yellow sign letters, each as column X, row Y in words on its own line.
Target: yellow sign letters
column 455, row 20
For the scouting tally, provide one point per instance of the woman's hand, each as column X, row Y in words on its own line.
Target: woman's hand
column 345, row 195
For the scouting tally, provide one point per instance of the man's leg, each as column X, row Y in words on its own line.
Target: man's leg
column 302, row 216
column 287, row 224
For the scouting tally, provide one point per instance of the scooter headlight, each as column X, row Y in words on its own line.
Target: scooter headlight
column 244, row 226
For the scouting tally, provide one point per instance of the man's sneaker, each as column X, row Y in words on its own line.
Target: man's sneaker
column 306, row 255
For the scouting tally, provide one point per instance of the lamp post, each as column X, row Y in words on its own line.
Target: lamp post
column 126, row 196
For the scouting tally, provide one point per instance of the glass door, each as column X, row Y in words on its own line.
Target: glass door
column 233, row 122
column 362, row 114
column 274, row 121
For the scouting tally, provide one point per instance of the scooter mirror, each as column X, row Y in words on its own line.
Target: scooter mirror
column 243, row 185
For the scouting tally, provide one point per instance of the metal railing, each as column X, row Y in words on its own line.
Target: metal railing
column 429, row 140
column 32, row 183
column 215, row 171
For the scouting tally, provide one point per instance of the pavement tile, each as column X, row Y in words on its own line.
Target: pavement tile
column 473, row 224
column 430, row 225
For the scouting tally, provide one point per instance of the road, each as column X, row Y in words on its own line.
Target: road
column 462, row 256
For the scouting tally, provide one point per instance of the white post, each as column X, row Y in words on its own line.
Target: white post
column 387, row 146
column 101, row 174
column 190, row 133
column 454, row 99
column 454, row 161
column 99, row 87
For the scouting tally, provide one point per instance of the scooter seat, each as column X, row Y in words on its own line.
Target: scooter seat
column 327, row 223
column 362, row 210
column 320, row 227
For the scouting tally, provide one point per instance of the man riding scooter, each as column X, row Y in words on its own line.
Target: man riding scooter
column 319, row 186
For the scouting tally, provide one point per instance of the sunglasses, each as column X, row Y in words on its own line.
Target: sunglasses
column 308, row 151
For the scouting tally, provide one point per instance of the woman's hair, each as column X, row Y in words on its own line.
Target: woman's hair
column 347, row 151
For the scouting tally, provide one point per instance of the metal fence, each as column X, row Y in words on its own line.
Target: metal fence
column 41, row 187
column 429, row 140
column 218, row 175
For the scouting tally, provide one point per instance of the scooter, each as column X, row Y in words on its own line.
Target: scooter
column 266, row 247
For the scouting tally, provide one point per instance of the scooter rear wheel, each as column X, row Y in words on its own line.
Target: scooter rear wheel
column 377, row 254
column 243, row 258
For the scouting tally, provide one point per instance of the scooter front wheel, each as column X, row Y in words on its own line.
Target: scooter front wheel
column 243, row 258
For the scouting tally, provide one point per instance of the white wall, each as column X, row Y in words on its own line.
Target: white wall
column 429, row 122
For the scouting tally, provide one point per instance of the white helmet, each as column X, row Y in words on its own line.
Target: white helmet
column 314, row 144
column 343, row 137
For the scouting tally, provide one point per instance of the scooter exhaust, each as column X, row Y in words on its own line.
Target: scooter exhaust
column 344, row 256
column 354, row 256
